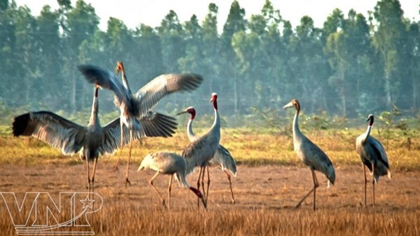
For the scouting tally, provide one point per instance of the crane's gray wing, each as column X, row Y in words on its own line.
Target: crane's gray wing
column 112, row 137
column 316, row 158
column 223, row 158
column 152, row 92
column 152, row 125
column 379, row 150
column 52, row 129
column 158, row 125
column 107, row 80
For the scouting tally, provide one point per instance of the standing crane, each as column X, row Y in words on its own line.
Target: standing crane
column 199, row 152
column 135, row 106
column 169, row 164
column 90, row 140
column 222, row 158
column 373, row 155
column 310, row 154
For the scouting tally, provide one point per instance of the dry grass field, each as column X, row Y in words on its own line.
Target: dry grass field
column 270, row 181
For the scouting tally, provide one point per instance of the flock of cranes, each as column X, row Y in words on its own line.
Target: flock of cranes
column 138, row 120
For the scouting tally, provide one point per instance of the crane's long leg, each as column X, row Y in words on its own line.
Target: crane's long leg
column 364, row 173
column 151, row 183
column 230, row 183
column 88, row 175
column 203, row 174
column 128, row 161
column 316, row 184
column 95, row 163
column 310, row 191
column 121, row 144
column 208, row 182
column 169, row 191
column 198, row 185
column 94, row 170
column 373, row 182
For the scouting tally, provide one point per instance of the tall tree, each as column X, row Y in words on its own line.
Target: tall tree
column 49, row 56
column 235, row 23
column 80, row 23
column 173, row 45
column 211, row 65
column 308, row 50
column 387, row 40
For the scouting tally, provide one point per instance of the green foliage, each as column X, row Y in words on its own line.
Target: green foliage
column 352, row 66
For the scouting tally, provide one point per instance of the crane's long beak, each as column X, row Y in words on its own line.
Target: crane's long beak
column 290, row 104
column 182, row 112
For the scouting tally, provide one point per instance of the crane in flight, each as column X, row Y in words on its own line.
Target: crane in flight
column 91, row 140
column 135, row 106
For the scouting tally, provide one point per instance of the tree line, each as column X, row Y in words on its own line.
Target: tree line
column 352, row 66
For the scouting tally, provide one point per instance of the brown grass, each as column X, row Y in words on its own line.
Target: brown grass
column 265, row 198
column 249, row 147
column 271, row 179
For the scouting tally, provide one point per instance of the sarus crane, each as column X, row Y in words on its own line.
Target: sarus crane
column 90, row 140
column 135, row 106
column 310, row 154
column 171, row 164
column 199, row 152
column 222, row 158
column 373, row 156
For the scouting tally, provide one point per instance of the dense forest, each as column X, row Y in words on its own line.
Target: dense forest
column 353, row 66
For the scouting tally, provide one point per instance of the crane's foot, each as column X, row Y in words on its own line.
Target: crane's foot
column 127, row 182
column 298, row 205
column 115, row 167
column 233, row 201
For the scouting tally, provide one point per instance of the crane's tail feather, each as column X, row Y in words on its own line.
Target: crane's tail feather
column 329, row 184
column 178, row 179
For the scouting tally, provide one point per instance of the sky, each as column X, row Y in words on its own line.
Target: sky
column 151, row 12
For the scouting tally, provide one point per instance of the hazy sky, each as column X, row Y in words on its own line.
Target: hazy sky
column 151, row 12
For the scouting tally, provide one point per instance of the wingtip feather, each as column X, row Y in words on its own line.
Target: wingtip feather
column 20, row 123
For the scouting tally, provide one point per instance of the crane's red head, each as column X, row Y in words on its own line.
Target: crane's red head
column 371, row 119
column 214, row 100
column 189, row 110
column 119, row 68
column 293, row 103
column 199, row 195
column 197, row 192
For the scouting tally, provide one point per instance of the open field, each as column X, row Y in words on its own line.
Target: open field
column 270, row 181
column 265, row 198
column 251, row 147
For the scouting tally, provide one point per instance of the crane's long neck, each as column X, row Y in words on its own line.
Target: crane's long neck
column 190, row 133
column 94, row 119
column 125, row 81
column 181, row 178
column 367, row 133
column 216, row 124
column 296, row 130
